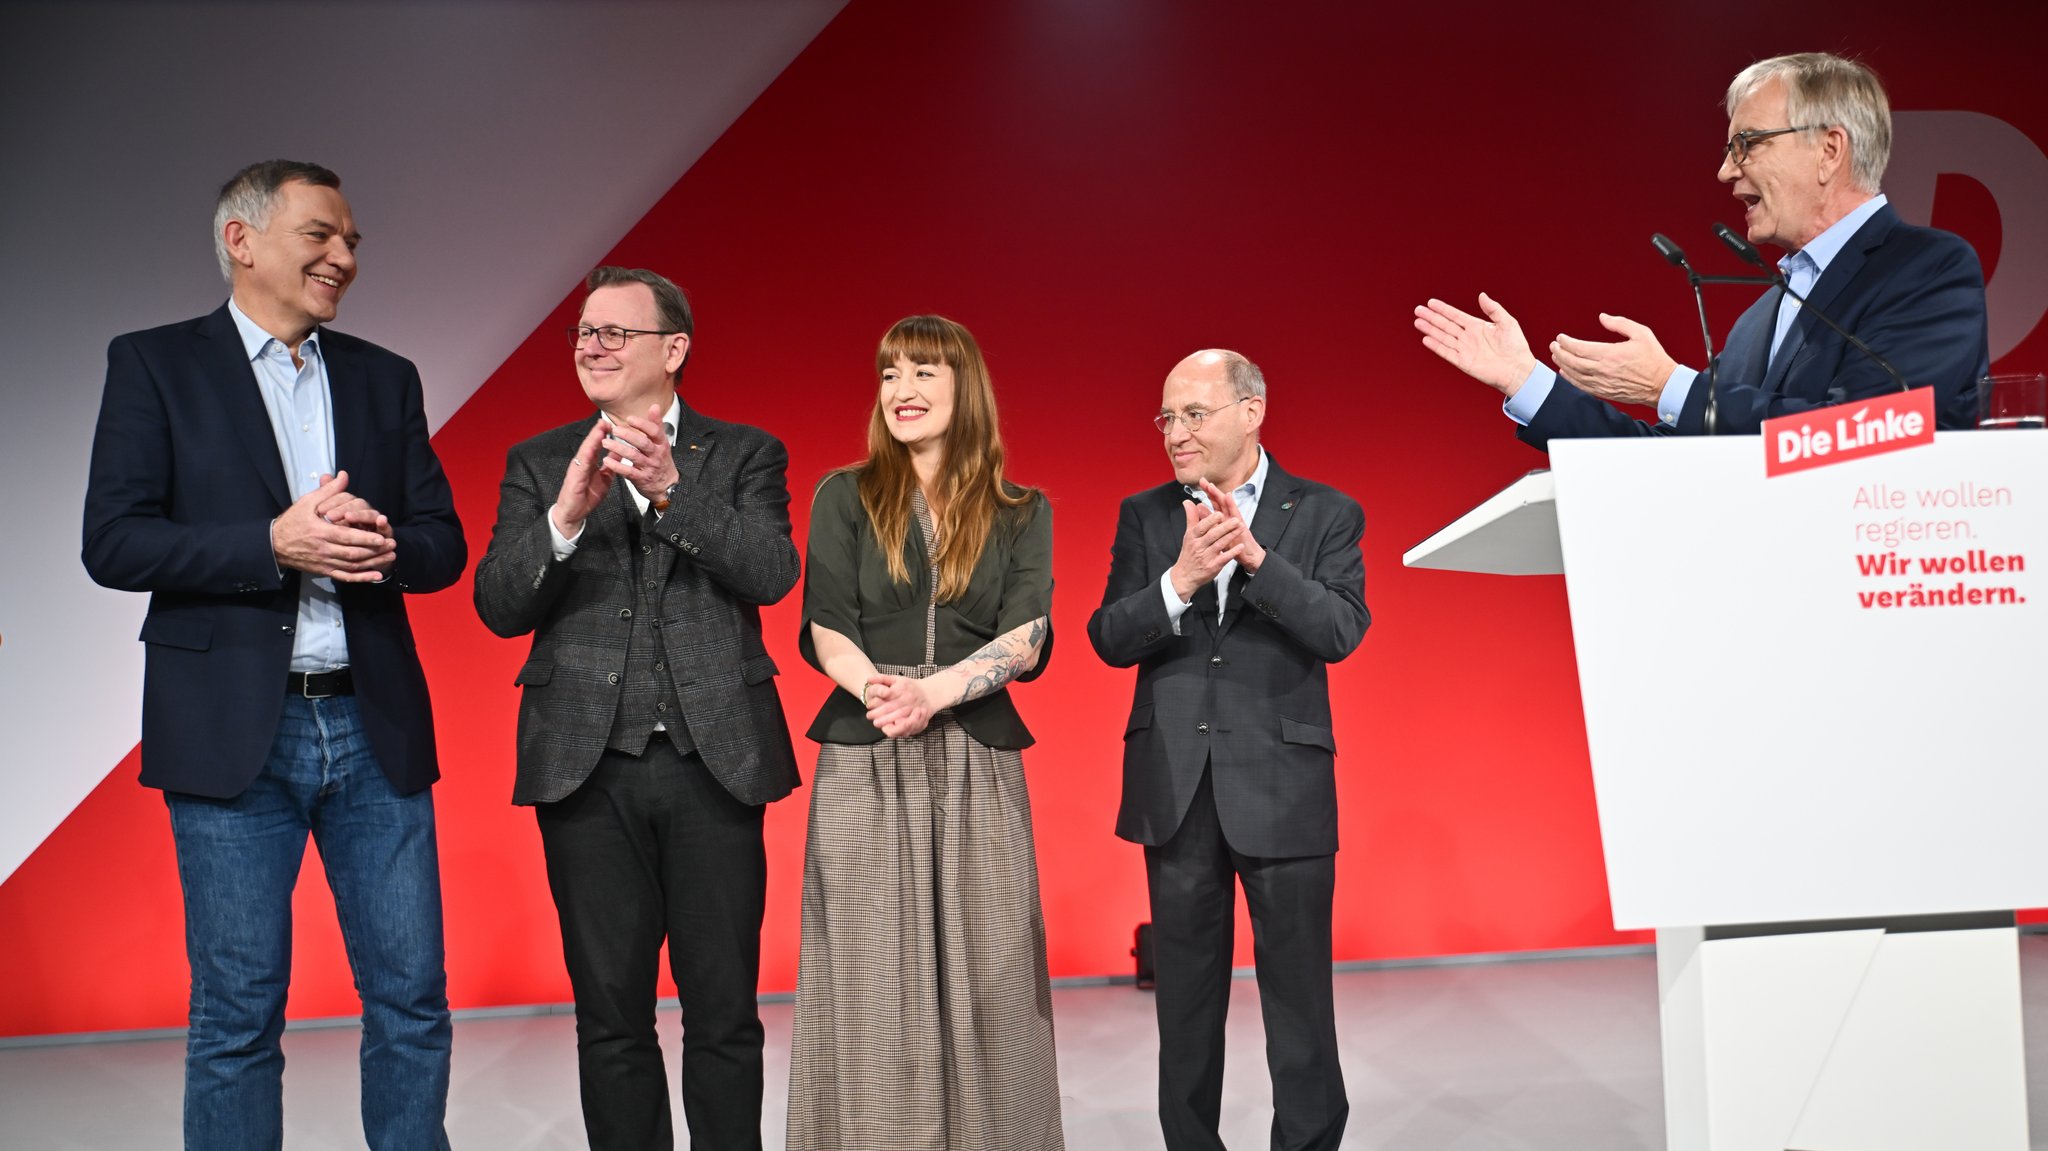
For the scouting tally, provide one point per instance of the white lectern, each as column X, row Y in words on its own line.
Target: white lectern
column 1810, row 702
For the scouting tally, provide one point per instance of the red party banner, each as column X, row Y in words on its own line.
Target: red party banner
column 1841, row 433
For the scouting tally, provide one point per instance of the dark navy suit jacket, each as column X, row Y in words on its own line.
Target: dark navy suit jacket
column 185, row 479
column 1915, row 295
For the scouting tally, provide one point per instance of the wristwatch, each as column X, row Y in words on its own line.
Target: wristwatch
column 661, row 505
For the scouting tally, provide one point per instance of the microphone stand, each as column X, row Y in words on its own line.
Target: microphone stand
column 1747, row 251
column 1710, row 415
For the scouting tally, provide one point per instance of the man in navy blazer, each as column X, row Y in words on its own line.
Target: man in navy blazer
column 1808, row 139
column 1232, row 589
column 270, row 483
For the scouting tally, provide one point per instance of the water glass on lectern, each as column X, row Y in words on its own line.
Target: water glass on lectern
column 2013, row 401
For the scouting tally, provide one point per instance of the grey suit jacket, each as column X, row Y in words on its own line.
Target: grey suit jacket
column 1248, row 697
column 722, row 550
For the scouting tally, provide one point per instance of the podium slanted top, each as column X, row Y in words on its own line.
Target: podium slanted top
column 1514, row 532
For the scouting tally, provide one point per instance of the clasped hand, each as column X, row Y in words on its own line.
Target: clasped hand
column 636, row 448
column 333, row 533
column 899, row 705
column 1214, row 536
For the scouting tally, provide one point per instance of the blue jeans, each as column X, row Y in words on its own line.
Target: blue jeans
column 238, row 860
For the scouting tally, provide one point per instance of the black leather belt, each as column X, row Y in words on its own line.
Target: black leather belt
column 319, row 684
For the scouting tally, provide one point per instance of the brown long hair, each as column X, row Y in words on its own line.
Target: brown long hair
column 971, row 491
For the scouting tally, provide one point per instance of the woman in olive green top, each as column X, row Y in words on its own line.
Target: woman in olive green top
column 923, row 1016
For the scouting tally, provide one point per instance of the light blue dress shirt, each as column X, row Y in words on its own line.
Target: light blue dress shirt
column 1802, row 269
column 301, row 409
column 1247, row 497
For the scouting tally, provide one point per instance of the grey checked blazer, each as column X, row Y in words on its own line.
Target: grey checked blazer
column 1249, row 697
column 723, row 550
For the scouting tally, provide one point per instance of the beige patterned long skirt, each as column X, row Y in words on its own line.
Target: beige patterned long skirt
column 923, row 1016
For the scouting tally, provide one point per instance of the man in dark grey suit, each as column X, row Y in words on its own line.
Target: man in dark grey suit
column 650, row 732
column 1232, row 589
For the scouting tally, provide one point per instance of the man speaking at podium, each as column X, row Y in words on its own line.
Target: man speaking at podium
column 1808, row 138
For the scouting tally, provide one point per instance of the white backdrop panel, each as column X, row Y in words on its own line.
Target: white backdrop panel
column 492, row 152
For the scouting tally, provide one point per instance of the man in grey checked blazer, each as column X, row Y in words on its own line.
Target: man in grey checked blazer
column 1231, row 590
column 637, row 546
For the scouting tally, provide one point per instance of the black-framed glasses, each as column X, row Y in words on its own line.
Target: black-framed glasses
column 1738, row 146
column 1192, row 418
column 611, row 338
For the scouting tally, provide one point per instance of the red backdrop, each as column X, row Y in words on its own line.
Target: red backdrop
column 1096, row 190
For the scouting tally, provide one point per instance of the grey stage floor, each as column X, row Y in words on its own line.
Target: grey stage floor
column 1513, row 1056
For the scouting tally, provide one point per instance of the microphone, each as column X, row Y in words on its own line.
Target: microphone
column 1743, row 249
column 1710, row 416
column 1749, row 255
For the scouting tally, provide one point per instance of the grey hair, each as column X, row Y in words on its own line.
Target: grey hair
column 1245, row 377
column 250, row 196
column 1824, row 90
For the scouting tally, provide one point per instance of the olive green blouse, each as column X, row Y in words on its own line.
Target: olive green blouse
column 847, row 588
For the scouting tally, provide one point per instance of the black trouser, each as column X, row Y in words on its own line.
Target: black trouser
column 651, row 847
column 1193, row 883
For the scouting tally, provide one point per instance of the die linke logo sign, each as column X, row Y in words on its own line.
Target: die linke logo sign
column 1848, row 432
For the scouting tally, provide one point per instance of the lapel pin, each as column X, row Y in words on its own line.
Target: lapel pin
column 1287, row 506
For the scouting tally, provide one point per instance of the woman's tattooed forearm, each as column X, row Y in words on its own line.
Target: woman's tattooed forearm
column 1001, row 660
